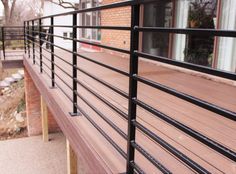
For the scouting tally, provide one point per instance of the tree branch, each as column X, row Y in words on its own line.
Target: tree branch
column 65, row 4
column 12, row 8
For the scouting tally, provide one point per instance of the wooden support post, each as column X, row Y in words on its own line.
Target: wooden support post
column 44, row 116
column 71, row 159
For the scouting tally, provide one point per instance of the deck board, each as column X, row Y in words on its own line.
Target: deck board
column 209, row 124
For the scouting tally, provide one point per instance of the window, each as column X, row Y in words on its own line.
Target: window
column 91, row 19
column 195, row 48
column 71, row 35
column 226, row 57
column 199, row 48
column 158, row 14
column 67, row 35
column 64, row 35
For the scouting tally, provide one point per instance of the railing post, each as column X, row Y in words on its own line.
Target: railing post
column 74, row 68
column 3, row 43
column 51, row 41
column 40, row 46
column 28, row 38
column 33, row 40
column 24, row 38
column 132, row 108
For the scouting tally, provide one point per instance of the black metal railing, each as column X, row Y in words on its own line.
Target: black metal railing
column 36, row 36
column 12, row 39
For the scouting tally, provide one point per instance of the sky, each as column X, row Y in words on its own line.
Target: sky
column 1, row 6
column 1, row 9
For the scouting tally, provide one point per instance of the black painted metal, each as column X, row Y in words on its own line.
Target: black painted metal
column 133, row 69
column 200, row 137
column 33, row 42
column 3, row 43
column 51, row 40
column 28, row 38
column 134, row 78
column 204, row 104
column 40, row 46
column 25, row 37
column 74, row 67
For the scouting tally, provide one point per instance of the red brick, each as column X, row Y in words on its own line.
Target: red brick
column 33, row 109
column 115, row 17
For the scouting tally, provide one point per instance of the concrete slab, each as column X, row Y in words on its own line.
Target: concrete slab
column 33, row 156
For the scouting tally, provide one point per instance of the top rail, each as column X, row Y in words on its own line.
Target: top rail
column 102, row 7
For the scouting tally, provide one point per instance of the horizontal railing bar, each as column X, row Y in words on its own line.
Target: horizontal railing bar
column 64, row 81
column 101, row 115
column 56, row 82
column 197, row 31
column 123, row 154
column 156, row 163
column 203, row 104
column 15, row 55
column 13, row 40
column 136, row 168
column 63, row 70
column 55, row 64
column 190, row 66
column 46, row 65
column 105, row 101
column 16, row 51
column 89, row 43
column 12, row 36
column 104, row 46
column 91, row 27
column 122, row 93
column 38, row 39
column 53, row 54
column 171, row 149
column 103, row 65
column 54, row 45
column 69, row 97
column 44, row 70
column 12, row 26
column 198, row 136
column 54, row 72
column 102, row 7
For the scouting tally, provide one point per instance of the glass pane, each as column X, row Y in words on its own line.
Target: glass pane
column 64, row 34
column 226, row 47
column 158, row 14
column 199, row 48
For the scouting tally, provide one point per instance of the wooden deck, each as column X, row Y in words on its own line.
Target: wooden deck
column 216, row 127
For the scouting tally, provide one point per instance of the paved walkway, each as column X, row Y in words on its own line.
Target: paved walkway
column 32, row 156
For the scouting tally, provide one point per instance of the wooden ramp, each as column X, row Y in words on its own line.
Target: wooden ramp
column 82, row 130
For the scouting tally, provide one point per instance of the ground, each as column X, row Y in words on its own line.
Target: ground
column 31, row 155
column 12, row 109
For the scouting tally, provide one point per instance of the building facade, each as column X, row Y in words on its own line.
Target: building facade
column 52, row 9
column 216, row 52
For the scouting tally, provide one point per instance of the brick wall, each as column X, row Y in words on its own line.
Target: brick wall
column 115, row 17
column 33, row 109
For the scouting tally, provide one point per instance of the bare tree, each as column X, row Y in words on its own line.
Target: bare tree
column 8, row 10
column 66, row 4
column 16, row 11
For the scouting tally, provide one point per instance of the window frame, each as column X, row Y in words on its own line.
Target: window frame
column 84, row 23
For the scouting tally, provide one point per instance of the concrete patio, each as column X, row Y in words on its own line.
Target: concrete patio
column 31, row 155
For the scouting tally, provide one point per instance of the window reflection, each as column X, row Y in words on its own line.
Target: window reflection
column 199, row 48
